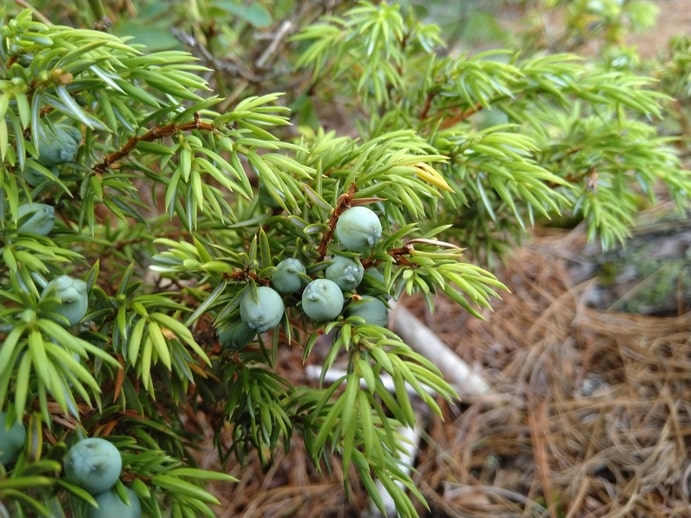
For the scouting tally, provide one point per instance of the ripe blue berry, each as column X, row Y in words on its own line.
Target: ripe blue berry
column 36, row 218
column 11, row 439
column 262, row 312
column 110, row 505
column 288, row 275
column 73, row 296
column 359, row 229
column 345, row 272
column 322, row 300
column 93, row 464
column 236, row 335
column 374, row 278
column 59, row 146
column 371, row 309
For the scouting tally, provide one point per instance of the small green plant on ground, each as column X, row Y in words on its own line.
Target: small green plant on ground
column 160, row 246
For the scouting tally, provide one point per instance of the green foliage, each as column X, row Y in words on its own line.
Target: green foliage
column 587, row 23
column 674, row 72
column 177, row 201
column 573, row 136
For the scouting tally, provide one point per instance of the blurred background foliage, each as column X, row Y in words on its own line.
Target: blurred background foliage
column 248, row 41
column 250, row 48
column 247, row 44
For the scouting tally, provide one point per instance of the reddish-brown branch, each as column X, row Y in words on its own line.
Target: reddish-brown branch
column 455, row 115
column 344, row 202
column 460, row 116
column 151, row 135
column 428, row 104
column 399, row 255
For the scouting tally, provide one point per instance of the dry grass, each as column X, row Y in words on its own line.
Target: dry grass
column 597, row 415
column 595, row 420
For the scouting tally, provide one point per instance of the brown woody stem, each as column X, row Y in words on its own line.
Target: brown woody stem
column 150, row 136
column 344, row 202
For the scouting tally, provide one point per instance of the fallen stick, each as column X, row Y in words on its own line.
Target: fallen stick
column 410, row 438
column 313, row 372
column 421, row 338
column 457, row 372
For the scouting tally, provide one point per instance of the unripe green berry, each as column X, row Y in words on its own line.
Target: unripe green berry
column 358, row 229
column 36, row 218
column 345, row 272
column 262, row 312
column 93, row 464
column 73, row 296
column 322, row 300
column 371, row 309
column 60, row 146
column 11, row 439
column 236, row 335
column 288, row 275
column 110, row 505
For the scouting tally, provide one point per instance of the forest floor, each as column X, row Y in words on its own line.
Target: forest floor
column 590, row 411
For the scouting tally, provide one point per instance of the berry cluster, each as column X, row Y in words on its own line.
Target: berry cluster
column 56, row 146
column 358, row 230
